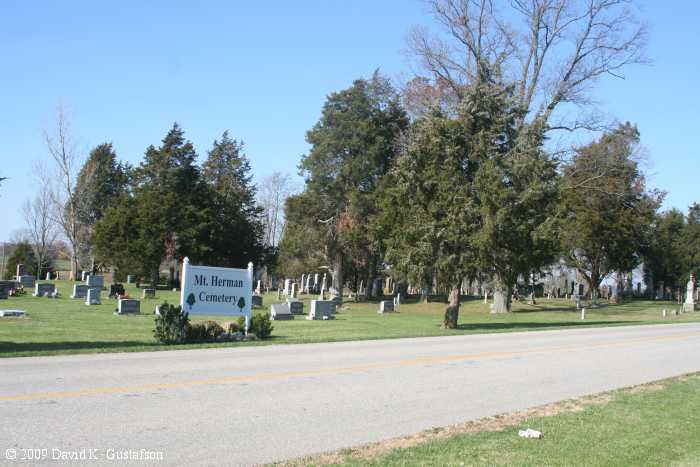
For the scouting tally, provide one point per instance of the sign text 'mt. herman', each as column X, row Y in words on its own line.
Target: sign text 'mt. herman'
column 216, row 281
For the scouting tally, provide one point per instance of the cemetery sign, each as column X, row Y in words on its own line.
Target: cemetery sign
column 210, row 290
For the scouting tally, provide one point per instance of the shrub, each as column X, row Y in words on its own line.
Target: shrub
column 214, row 330
column 196, row 332
column 261, row 325
column 171, row 325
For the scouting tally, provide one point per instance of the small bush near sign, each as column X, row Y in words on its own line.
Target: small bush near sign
column 171, row 325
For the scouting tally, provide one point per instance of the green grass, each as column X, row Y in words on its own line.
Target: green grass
column 651, row 427
column 60, row 326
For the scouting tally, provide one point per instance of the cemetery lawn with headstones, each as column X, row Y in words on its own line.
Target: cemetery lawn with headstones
column 649, row 425
column 64, row 325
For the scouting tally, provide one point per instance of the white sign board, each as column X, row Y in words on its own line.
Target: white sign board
column 210, row 290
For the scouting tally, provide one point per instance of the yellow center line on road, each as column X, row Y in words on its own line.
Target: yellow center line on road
column 333, row 371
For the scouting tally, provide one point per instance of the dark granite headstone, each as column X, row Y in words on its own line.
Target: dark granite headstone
column 40, row 290
column 80, row 291
column 116, row 289
column 296, row 307
column 129, row 306
column 257, row 301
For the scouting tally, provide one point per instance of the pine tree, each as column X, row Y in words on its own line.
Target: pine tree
column 173, row 202
column 606, row 211
column 235, row 236
column 353, row 147
column 101, row 180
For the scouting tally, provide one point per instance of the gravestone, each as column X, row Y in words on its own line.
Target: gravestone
column 296, row 307
column 129, row 306
column 130, row 279
column 84, row 275
column 280, row 311
column 27, row 281
column 48, row 276
column 11, row 313
column 41, row 290
column 257, row 301
column 689, row 304
column 279, row 294
column 116, row 289
column 386, row 306
column 294, row 290
column 148, row 293
column 7, row 288
column 321, row 310
column 21, row 271
column 93, row 297
column 95, row 281
column 80, row 291
column 287, row 287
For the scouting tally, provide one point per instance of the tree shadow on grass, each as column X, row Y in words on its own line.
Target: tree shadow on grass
column 530, row 325
column 571, row 308
column 9, row 348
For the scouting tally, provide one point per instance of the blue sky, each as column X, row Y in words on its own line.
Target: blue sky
column 127, row 70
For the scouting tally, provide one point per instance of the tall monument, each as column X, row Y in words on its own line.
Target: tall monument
column 689, row 304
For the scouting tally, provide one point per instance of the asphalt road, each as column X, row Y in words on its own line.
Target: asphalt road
column 241, row 406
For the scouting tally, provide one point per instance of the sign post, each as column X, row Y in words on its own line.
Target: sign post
column 207, row 290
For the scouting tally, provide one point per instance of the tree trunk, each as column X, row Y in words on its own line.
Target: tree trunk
column 502, row 294
column 337, row 275
column 452, row 311
column 371, row 268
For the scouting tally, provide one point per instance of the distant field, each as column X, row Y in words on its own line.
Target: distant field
column 61, row 326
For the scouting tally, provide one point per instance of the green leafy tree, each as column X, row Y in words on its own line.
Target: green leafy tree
column 663, row 255
column 353, row 146
column 472, row 196
column 101, row 181
column 126, row 237
column 606, row 211
column 430, row 208
column 22, row 254
column 690, row 242
column 235, row 234
column 173, row 203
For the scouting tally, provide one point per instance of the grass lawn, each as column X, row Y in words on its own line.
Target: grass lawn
column 63, row 325
column 649, row 425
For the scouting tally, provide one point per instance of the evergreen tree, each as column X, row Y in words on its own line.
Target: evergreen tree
column 605, row 211
column 173, row 202
column 690, row 242
column 472, row 196
column 22, row 254
column 236, row 230
column 101, row 180
column 353, row 147
column 663, row 255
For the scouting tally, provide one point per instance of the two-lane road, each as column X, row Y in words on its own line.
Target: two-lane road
column 252, row 405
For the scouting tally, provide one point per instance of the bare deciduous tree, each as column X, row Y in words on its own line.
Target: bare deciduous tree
column 41, row 227
column 63, row 153
column 272, row 194
column 552, row 50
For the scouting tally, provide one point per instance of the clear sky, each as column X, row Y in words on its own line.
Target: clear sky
column 127, row 70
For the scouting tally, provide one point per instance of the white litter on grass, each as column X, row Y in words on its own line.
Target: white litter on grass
column 530, row 433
